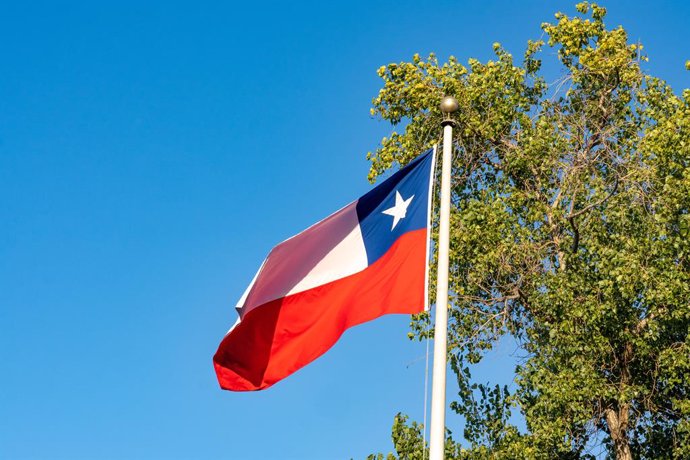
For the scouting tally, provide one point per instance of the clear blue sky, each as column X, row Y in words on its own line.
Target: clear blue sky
column 150, row 156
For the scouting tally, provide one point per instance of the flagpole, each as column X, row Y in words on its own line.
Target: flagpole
column 438, row 387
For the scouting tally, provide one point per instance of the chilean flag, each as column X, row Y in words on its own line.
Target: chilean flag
column 364, row 261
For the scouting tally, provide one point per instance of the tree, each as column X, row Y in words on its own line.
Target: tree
column 570, row 231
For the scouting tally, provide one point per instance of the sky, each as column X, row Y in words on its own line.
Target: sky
column 152, row 153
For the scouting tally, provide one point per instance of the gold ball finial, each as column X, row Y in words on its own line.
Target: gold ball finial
column 449, row 105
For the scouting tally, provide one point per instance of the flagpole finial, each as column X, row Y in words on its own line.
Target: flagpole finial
column 449, row 105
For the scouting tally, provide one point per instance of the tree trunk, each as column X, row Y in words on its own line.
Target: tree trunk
column 618, row 429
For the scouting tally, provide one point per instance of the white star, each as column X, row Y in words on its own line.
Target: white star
column 399, row 210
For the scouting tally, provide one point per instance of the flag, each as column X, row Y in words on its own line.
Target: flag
column 366, row 260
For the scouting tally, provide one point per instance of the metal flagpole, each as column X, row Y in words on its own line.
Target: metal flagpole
column 438, row 386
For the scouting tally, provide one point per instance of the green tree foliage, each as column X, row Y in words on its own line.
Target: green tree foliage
column 570, row 231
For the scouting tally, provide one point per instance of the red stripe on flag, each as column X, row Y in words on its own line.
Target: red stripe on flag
column 282, row 336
